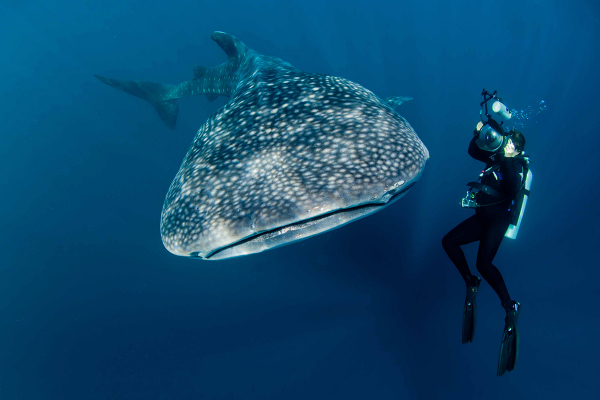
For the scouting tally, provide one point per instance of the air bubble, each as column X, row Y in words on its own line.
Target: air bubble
column 529, row 113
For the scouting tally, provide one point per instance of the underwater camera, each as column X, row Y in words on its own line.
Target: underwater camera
column 491, row 131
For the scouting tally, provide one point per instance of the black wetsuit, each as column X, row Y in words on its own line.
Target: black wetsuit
column 490, row 222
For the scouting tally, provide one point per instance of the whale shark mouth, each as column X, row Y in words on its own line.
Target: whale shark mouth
column 287, row 234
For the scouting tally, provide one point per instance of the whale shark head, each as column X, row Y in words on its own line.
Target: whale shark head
column 291, row 155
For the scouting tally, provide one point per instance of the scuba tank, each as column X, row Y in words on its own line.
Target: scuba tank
column 518, row 206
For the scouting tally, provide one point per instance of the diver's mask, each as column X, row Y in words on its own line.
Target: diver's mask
column 491, row 131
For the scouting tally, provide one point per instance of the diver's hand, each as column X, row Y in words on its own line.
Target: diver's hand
column 509, row 149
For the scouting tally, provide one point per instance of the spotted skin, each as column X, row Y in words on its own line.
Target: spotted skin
column 292, row 154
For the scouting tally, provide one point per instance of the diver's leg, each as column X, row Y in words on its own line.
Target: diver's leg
column 466, row 232
column 493, row 230
column 492, row 233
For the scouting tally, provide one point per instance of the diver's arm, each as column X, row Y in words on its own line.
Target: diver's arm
column 478, row 154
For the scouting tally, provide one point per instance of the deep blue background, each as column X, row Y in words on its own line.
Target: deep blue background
column 93, row 307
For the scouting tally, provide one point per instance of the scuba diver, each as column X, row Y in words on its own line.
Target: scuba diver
column 499, row 197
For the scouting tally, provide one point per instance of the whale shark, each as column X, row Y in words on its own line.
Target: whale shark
column 292, row 154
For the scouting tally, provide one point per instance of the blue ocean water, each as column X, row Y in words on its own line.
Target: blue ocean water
column 93, row 307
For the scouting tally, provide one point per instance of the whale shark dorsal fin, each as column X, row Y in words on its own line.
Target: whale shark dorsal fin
column 396, row 101
column 200, row 71
column 232, row 46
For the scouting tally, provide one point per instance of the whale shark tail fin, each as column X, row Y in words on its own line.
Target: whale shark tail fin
column 156, row 94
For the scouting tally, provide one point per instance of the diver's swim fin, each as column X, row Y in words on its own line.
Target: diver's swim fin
column 509, row 348
column 469, row 311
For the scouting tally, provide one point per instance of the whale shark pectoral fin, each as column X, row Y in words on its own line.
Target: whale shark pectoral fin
column 396, row 101
column 157, row 94
column 211, row 96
